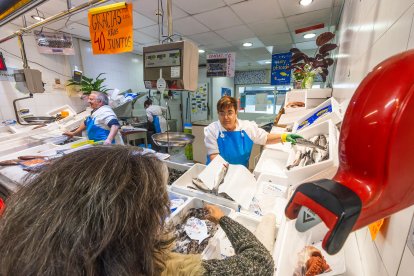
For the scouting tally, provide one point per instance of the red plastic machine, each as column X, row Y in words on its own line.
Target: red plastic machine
column 376, row 156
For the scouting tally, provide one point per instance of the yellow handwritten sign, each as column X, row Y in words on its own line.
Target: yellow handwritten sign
column 111, row 29
column 374, row 228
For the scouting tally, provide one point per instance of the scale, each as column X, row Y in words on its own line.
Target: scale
column 170, row 139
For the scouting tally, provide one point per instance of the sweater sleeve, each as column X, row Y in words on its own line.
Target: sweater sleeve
column 251, row 258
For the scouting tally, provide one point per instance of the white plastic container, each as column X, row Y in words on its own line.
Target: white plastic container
column 295, row 96
column 272, row 162
column 180, row 214
column 319, row 93
column 66, row 108
column 321, row 114
column 175, row 198
column 297, row 174
column 220, row 246
column 290, row 243
column 182, row 184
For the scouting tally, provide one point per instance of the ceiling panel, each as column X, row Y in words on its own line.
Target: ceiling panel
column 299, row 37
column 142, row 38
column 189, row 26
column 284, row 48
column 290, row 7
column 231, row 2
column 198, row 6
column 216, row 46
column 149, row 9
column 207, row 38
column 306, row 45
column 219, row 18
column 141, row 21
column 63, row 23
column 256, row 51
column 78, row 29
column 309, row 19
column 256, row 43
column 269, row 27
column 236, row 33
column 266, row 9
column 152, row 31
column 283, row 38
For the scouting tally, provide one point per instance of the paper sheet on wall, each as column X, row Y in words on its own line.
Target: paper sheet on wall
column 261, row 102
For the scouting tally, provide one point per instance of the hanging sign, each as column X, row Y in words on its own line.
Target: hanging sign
column 54, row 43
column 111, row 29
column 221, row 65
column 280, row 74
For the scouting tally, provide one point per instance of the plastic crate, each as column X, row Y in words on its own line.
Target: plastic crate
column 182, row 184
column 298, row 174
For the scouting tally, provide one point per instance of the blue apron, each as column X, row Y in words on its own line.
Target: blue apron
column 235, row 147
column 94, row 132
column 156, row 123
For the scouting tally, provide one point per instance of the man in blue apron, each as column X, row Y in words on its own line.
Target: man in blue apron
column 233, row 139
column 155, row 116
column 102, row 124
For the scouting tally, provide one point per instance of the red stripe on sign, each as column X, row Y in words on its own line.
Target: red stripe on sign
column 310, row 28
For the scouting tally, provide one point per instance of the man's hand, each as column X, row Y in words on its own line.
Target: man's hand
column 214, row 213
column 69, row 134
column 108, row 142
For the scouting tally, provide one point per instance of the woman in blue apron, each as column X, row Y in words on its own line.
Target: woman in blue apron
column 155, row 116
column 233, row 139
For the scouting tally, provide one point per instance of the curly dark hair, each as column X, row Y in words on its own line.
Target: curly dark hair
column 98, row 211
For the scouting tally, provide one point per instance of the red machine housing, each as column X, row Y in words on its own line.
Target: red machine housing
column 376, row 156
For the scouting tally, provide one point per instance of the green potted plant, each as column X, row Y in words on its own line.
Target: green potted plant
column 87, row 85
column 306, row 68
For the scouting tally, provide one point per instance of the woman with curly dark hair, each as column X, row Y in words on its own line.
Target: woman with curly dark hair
column 102, row 211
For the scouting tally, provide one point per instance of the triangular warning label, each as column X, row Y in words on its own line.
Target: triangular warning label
column 308, row 217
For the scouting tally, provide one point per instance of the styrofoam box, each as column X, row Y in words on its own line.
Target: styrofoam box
column 178, row 216
column 312, row 103
column 67, row 108
column 290, row 243
column 183, row 182
column 335, row 115
column 297, row 174
column 272, row 162
column 271, row 200
column 220, row 246
column 172, row 195
column 295, row 96
column 319, row 93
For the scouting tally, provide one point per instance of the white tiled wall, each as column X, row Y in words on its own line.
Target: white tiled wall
column 371, row 31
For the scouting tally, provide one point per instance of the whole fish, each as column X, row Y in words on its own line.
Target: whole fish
column 220, row 178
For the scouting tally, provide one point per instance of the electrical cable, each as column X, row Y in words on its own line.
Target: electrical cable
column 162, row 19
column 35, row 63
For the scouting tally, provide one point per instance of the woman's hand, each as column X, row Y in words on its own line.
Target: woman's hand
column 214, row 213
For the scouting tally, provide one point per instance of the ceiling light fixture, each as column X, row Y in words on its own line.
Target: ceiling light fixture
column 38, row 17
column 268, row 62
column 305, row 2
column 311, row 35
column 247, row 44
column 201, row 51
